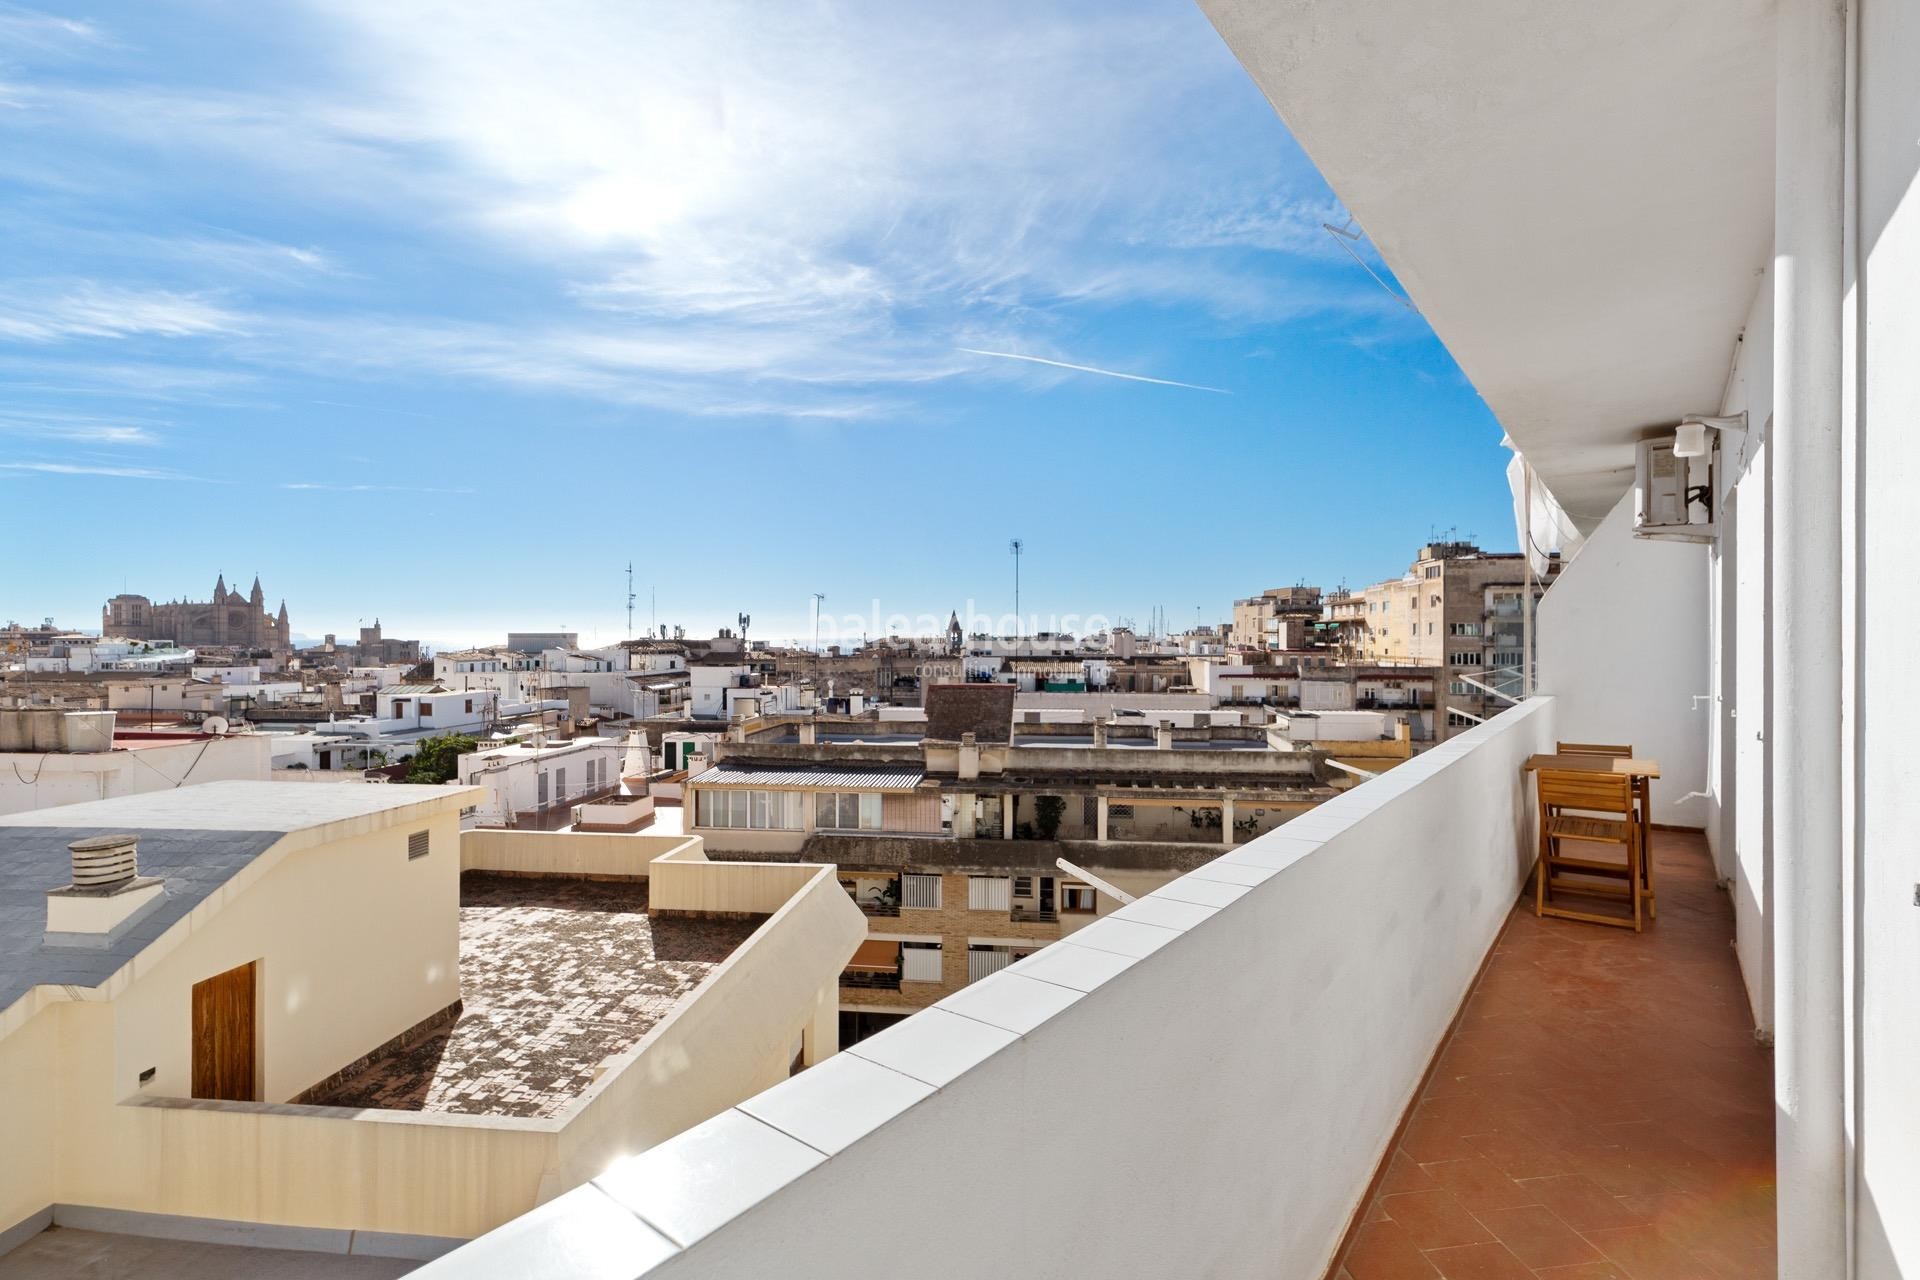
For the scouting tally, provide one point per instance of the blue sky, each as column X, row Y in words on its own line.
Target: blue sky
column 445, row 312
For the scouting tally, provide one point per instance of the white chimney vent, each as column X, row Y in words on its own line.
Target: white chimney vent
column 107, row 895
column 101, row 861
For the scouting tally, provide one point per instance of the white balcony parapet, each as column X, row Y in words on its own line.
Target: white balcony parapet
column 1237, row 1046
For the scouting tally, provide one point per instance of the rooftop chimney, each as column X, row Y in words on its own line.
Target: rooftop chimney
column 1163, row 735
column 969, row 763
column 107, row 895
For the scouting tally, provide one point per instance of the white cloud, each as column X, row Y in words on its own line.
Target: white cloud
column 100, row 469
column 60, row 310
column 742, row 208
column 369, row 488
column 75, row 428
column 28, row 28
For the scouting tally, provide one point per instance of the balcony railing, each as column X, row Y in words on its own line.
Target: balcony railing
column 1033, row 915
column 871, row 980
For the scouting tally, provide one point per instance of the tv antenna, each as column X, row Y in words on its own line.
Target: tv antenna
column 819, row 597
column 630, row 598
column 1017, row 546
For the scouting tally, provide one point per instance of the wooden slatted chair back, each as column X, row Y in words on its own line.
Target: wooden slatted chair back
column 1586, row 791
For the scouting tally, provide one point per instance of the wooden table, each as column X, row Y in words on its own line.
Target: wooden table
column 1638, row 768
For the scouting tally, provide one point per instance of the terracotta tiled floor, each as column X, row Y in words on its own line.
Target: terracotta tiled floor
column 1601, row 1112
column 556, row 976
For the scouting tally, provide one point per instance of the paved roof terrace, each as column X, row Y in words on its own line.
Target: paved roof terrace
column 556, row 976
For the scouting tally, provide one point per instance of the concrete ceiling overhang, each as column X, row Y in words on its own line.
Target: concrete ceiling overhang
column 1577, row 194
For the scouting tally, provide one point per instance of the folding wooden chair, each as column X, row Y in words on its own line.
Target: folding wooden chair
column 1592, row 808
column 1642, row 792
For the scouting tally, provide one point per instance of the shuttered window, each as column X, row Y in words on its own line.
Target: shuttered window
column 920, row 891
column 920, row 961
column 989, row 893
column 982, row 961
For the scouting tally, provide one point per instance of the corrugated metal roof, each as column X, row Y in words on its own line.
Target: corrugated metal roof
column 414, row 690
column 738, row 775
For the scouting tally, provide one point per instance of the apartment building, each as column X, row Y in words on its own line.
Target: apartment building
column 1278, row 618
column 950, row 833
column 1457, row 609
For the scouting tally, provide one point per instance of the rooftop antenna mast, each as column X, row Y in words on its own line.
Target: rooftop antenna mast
column 1017, row 546
column 819, row 598
column 630, row 599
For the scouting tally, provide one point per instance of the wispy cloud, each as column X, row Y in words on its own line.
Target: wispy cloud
column 744, row 211
column 75, row 428
column 59, row 310
column 102, row 469
column 28, row 28
column 1087, row 368
column 368, row 488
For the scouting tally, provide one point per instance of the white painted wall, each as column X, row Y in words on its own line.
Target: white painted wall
column 1886, row 798
column 44, row 780
column 356, row 943
column 1624, row 647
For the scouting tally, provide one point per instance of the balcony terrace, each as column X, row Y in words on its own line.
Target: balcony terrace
column 1600, row 1108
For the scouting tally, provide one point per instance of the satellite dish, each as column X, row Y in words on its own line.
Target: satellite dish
column 214, row 724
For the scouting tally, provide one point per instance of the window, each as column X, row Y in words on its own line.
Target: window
column 416, row 845
column 1076, row 897
column 744, row 810
column 426, row 708
column 921, row 892
column 1458, row 721
column 1465, row 660
column 848, row 810
column 1463, row 628
column 1433, row 571
column 988, row 893
column 469, row 708
column 1459, row 688
column 920, row 962
column 1023, row 886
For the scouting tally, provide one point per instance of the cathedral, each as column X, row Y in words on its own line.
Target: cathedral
column 228, row 619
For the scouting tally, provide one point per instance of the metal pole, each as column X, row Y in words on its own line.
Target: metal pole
column 1806, row 663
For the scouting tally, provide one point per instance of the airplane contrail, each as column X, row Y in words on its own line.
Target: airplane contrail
column 1087, row 368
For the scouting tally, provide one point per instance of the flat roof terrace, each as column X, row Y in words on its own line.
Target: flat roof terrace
column 556, row 976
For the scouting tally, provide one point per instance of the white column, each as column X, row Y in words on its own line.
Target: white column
column 1809, row 1062
column 1006, row 816
column 1100, row 820
column 1226, row 820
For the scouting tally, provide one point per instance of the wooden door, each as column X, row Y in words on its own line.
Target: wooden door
column 223, row 1041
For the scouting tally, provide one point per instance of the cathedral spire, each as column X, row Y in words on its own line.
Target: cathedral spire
column 220, row 589
column 258, row 597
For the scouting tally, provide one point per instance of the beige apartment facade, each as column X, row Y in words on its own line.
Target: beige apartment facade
column 1458, row 610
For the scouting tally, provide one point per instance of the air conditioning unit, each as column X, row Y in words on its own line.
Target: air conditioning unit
column 1676, row 480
